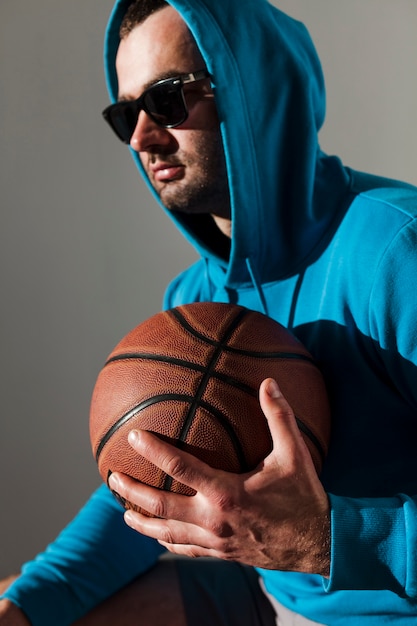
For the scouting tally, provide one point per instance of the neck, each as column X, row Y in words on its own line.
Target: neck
column 224, row 225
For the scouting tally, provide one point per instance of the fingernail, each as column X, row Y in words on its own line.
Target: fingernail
column 133, row 437
column 272, row 389
column 113, row 482
column 129, row 519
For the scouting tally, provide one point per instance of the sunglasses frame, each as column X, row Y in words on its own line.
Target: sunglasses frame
column 136, row 106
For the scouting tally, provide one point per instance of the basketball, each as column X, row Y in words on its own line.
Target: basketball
column 191, row 375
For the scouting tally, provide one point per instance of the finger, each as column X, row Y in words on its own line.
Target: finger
column 157, row 502
column 189, row 551
column 169, row 532
column 287, row 439
column 180, row 465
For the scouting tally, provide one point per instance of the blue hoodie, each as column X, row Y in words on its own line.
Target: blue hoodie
column 331, row 254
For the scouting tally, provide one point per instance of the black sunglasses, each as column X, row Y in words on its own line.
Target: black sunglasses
column 164, row 102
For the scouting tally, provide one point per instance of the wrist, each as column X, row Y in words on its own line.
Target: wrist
column 324, row 543
column 315, row 545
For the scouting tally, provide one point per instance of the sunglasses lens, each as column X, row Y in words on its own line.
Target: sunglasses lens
column 123, row 118
column 165, row 104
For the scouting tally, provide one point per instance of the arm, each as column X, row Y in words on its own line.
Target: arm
column 11, row 615
column 66, row 581
column 279, row 517
column 91, row 559
column 374, row 539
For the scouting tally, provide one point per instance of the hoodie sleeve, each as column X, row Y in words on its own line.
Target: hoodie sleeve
column 373, row 545
column 93, row 557
column 374, row 539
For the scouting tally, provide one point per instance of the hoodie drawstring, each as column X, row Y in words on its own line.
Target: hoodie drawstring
column 258, row 287
column 209, row 295
column 208, row 284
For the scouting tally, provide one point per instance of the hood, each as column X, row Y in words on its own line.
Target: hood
column 270, row 97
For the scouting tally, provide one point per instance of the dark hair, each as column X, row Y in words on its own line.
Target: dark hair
column 137, row 12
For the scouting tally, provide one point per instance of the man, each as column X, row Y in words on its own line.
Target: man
column 221, row 104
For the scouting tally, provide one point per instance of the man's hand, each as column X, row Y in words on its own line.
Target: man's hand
column 275, row 517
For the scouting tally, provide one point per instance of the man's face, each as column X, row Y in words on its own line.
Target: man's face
column 186, row 164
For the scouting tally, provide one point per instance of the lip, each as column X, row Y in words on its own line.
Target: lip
column 164, row 172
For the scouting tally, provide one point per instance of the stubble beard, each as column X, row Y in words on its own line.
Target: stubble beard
column 204, row 188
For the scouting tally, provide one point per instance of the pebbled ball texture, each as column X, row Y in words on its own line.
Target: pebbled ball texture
column 192, row 375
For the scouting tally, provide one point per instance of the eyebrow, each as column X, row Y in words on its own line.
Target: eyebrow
column 155, row 79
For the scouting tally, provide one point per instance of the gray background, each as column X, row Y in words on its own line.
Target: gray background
column 86, row 253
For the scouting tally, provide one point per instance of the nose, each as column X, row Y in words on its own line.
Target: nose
column 148, row 135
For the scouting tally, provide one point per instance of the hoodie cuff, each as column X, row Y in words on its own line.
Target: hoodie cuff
column 371, row 542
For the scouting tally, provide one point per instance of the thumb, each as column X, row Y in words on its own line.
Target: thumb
column 286, row 437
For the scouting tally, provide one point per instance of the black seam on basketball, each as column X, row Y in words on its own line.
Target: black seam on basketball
column 136, row 409
column 219, row 346
column 305, row 429
column 229, row 380
column 216, row 413
column 187, row 326
column 255, row 354
column 271, row 355
column 237, row 446
column 236, row 384
column 147, row 356
column 252, row 354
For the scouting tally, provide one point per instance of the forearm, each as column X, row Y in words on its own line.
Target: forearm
column 11, row 615
column 90, row 560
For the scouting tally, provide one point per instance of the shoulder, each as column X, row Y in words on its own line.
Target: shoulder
column 401, row 201
column 385, row 194
column 187, row 287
